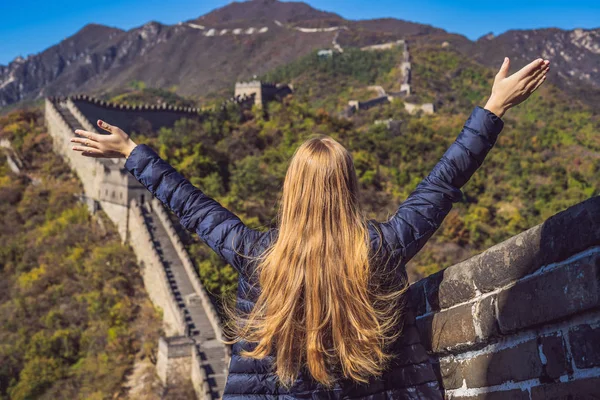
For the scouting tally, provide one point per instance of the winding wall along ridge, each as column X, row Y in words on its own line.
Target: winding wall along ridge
column 107, row 185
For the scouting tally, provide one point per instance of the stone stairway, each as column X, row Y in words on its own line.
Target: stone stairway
column 198, row 325
column 68, row 116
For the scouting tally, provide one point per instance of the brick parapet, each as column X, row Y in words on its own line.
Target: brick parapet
column 523, row 317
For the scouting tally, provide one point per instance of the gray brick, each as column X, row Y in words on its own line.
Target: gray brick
column 553, row 351
column 498, row 395
column 451, row 373
column 550, row 296
column 561, row 236
column 517, row 363
column 585, row 346
column 574, row 390
column 509, row 261
column 571, row 231
column 448, row 329
column 485, row 315
column 457, row 285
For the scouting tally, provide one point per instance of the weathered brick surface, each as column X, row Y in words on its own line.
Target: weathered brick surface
column 585, row 346
column 455, row 328
column 552, row 352
column 561, row 236
column 498, row 395
column 457, row 285
column 571, row 231
column 484, row 312
column 451, row 373
column 508, row 261
column 551, row 296
column 517, row 363
column 447, row 329
column 461, row 321
column 573, row 390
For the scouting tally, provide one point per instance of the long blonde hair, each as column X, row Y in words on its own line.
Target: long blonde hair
column 321, row 303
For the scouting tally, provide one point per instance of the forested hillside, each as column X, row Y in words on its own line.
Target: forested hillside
column 73, row 310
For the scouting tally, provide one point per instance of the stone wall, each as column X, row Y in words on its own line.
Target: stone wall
column 212, row 314
column 132, row 118
column 522, row 319
column 105, row 182
column 383, row 46
column 412, row 108
column 261, row 92
column 61, row 132
column 107, row 185
column 153, row 273
column 405, row 86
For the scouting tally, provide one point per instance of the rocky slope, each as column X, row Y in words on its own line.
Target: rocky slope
column 575, row 56
column 241, row 40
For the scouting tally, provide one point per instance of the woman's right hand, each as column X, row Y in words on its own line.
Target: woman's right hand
column 115, row 145
column 508, row 91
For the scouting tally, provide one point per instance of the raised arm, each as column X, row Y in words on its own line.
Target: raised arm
column 218, row 227
column 417, row 218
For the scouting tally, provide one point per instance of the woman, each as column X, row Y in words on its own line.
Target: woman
column 319, row 310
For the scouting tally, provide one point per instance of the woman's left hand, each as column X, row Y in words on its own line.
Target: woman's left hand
column 115, row 145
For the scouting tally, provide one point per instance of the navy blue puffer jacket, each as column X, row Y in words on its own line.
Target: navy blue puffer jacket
column 411, row 376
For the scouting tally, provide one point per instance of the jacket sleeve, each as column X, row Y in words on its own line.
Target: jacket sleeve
column 218, row 227
column 417, row 218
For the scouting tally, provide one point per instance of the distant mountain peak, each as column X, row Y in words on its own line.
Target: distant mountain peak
column 263, row 11
column 251, row 37
column 487, row 36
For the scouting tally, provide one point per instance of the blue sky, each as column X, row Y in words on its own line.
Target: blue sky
column 30, row 26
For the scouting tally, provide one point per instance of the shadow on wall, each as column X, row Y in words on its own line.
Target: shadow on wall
column 522, row 319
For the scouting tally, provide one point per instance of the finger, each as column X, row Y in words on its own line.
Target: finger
column 531, row 81
column 529, row 68
column 536, row 75
column 94, row 155
column 88, row 135
column 503, row 73
column 87, row 150
column 539, row 83
column 105, row 126
column 85, row 141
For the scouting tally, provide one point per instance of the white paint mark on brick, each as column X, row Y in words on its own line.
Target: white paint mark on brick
column 542, row 355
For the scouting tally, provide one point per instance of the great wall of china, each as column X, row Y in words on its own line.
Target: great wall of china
column 192, row 348
column 518, row 321
column 405, row 85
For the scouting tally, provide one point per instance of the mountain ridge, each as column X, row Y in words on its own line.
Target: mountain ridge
column 244, row 39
